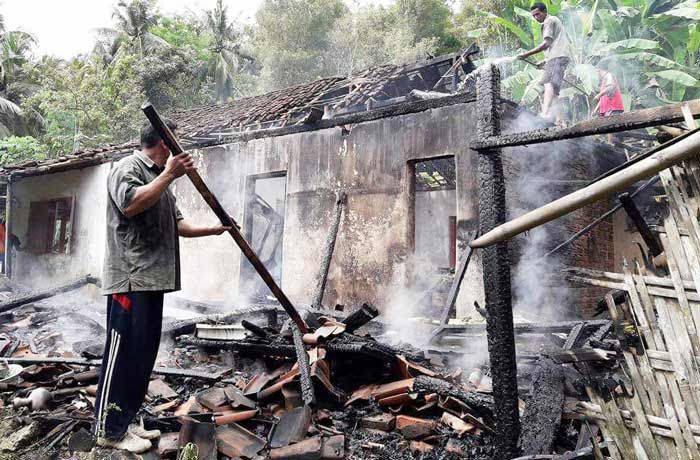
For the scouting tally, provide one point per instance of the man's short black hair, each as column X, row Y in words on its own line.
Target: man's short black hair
column 150, row 137
column 539, row 6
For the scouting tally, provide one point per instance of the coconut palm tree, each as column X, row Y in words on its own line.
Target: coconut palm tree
column 15, row 49
column 227, row 56
column 134, row 19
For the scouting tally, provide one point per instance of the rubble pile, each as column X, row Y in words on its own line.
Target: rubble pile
column 231, row 387
column 237, row 394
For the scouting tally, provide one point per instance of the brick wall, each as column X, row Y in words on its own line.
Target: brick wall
column 537, row 175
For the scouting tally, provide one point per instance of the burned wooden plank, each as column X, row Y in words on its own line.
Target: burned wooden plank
column 637, row 119
column 16, row 302
column 574, row 336
column 328, row 251
column 544, row 408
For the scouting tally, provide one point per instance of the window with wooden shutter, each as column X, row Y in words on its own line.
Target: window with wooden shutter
column 50, row 226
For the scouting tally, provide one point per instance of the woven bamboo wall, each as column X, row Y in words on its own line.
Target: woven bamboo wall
column 662, row 417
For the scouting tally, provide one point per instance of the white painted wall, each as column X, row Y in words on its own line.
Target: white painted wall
column 88, row 186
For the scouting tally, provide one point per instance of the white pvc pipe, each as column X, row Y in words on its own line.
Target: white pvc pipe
column 665, row 158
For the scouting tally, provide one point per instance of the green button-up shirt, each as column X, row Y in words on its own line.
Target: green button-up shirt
column 142, row 252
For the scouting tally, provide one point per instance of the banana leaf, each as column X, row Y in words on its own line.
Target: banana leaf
column 511, row 27
column 630, row 43
column 685, row 13
column 677, row 77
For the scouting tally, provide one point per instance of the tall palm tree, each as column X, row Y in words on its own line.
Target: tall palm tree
column 134, row 19
column 227, row 56
column 15, row 49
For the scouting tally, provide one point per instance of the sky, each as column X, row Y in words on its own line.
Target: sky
column 65, row 28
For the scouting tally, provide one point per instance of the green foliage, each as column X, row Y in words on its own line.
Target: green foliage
column 376, row 35
column 651, row 46
column 15, row 149
column 185, row 32
column 85, row 104
column 292, row 40
column 429, row 20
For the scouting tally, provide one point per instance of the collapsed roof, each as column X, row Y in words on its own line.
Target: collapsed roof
column 324, row 98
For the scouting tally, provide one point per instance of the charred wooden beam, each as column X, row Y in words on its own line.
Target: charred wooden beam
column 360, row 317
column 482, row 404
column 637, row 119
column 650, row 238
column 16, row 302
column 244, row 347
column 543, row 410
column 345, row 344
column 166, row 371
column 307, row 386
column 176, row 149
column 496, row 269
column 340, row 199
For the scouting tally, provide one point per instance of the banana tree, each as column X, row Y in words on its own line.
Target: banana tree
column 652, row 47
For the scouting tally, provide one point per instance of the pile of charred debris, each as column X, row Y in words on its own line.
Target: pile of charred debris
column 233, row 386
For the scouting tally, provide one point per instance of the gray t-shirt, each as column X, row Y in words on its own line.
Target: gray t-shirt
column 142, row 252
column 553, row 29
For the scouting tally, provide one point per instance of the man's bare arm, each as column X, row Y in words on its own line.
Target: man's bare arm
column 543, row 46
column 147, row 195
column 188, row 230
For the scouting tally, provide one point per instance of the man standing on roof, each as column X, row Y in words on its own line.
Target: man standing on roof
column 555, row 45
column 142, row 263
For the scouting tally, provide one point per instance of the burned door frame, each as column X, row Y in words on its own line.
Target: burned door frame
column 250, row 182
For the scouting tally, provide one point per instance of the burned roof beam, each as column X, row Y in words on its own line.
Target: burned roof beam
column 637, row 119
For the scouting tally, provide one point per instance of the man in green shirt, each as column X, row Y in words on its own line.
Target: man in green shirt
column 142, row 263
column 555, row 45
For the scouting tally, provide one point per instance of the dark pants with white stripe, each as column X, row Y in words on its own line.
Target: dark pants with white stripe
column 134, row 322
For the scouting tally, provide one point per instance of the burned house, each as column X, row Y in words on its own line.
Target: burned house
column 394, row 139
column 399, row 178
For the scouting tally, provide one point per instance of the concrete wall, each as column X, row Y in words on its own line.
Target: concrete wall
column 370, row 162
column 88, row 236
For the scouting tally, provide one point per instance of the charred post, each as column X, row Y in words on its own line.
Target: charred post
column 650, row 238
column 328, row 253
column 499, row 326
column 543, row 411
column 360, row 317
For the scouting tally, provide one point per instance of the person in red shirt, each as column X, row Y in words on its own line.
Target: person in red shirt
column 609, row 96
